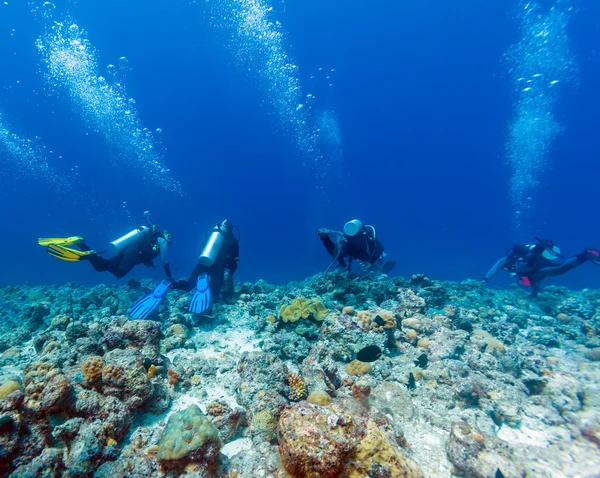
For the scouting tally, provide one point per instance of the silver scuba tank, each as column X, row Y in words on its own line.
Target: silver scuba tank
column 128, row 240
column 213, row 245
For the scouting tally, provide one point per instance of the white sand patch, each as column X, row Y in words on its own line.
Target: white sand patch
column 237, row 446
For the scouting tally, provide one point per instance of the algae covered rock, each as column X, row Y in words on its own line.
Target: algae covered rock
column 340, row 439
column 188, row 437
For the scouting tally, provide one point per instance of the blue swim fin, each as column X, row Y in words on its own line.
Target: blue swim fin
column 202, row 298
column 148, row 304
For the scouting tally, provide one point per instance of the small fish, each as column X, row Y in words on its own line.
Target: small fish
column 379, row 321
column 369, row 354
column 422, row 361
column 412, row 384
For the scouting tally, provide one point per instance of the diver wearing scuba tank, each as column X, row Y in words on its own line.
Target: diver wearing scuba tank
column 534, row 262
column 219, row 253
column 358, row 241
column 140, row 246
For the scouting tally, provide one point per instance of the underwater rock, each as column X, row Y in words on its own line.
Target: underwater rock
column 188, row 437
column 338, row 440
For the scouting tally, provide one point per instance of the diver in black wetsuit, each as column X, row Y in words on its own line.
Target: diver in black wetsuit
column 534, row 262
column 140, row 246
column 220, row 253
column 359, row 242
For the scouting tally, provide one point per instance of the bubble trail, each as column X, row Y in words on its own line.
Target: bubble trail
column 539, row 64
column 25, row 158
column 104, row 106
column 259, row 46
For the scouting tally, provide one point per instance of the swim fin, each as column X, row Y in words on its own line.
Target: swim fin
column 59, row 241
column 202, row 298
column 148, row 304
column 66, row 253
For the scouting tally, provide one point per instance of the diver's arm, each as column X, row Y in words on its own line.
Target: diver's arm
column 497, row 267
column 164, row 248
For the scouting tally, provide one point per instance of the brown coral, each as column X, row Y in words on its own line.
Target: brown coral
column 92, row 369
column 112, row 374
column 216, row 409
column 297, row 385
column 356, row 367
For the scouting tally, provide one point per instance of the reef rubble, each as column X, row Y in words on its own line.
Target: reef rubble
column 472, row 381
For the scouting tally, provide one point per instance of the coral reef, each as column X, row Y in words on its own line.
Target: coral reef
column 472, row 381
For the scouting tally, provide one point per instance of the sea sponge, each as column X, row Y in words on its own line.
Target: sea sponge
column 319, row 397
column 356, row 367
column 173, row 377
column 152, row 371
column 297, row 385
column 9, row 387
column 92, row 369
column 301, row 308
column 376, row 455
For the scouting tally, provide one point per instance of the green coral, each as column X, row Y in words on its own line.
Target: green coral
column 302, row 308
column 189, row 435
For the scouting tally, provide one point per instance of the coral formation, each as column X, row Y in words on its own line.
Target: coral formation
column 188, row 437
column 356, row 367
column 319, row 397
column 477, row 380
column 297, row 386
column 302, row 308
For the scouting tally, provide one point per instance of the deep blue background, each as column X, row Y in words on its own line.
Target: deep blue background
column 423, row 103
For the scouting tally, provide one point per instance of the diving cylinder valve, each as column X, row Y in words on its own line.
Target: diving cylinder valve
column 213, row 245
column 128, row 240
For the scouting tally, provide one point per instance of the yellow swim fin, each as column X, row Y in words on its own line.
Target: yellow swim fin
column 59, row 241
column 66, row 253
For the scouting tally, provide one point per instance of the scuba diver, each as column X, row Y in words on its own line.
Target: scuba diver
column 220, row 252
column 140, row 246
column 534, row 262
column 358, row 241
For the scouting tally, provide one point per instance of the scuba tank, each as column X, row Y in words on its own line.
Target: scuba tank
column 128, row 240
column 214, row 243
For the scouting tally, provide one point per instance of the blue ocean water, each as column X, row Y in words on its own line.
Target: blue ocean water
column 289, row 116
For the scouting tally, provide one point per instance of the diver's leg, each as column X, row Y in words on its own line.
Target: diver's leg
column 535, row 287
column 566, row 266
column 217, row 276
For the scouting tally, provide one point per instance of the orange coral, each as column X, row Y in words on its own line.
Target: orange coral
column 92, row 369
column 297, row 385
column 174, row 377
